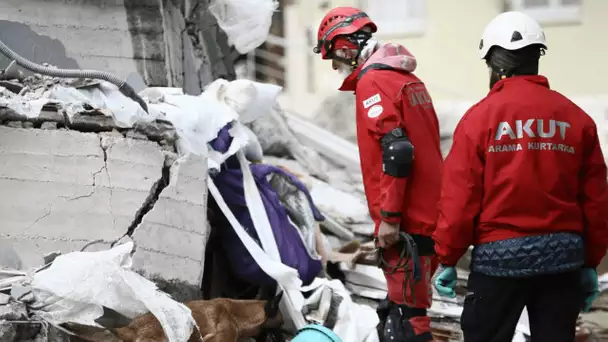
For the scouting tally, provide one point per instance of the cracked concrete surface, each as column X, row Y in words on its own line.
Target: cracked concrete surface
column 171, row 237
column 64, row 189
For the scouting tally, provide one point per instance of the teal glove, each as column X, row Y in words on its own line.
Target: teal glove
column 445, row 281
column 590, row 287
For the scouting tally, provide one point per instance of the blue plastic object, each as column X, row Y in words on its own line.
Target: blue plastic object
column 316, row 333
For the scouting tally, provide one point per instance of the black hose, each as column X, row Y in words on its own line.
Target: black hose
column 408, row 252
column 122, row 85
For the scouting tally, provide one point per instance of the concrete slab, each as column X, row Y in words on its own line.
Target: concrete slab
column 66, row 191
column 171, row 238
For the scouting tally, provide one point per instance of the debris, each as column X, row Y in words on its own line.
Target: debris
column 48, row 125
column 220, row 319
column 342, row 152
column 50, row 257
column 14, row 124
column 78, row 285
column 331, row 301
column 179, row 125
column 10, row 313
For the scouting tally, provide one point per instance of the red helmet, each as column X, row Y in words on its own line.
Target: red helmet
column 340, row 21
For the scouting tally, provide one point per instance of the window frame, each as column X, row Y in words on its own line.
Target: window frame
column 394, row 27
column 555, row 12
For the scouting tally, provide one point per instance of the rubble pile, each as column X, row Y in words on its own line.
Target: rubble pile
column 17, row 96
column 177, row 126
column 76, row 164
column 83, row 111
column 18, row 325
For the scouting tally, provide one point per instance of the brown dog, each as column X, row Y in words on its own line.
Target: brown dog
column 219, row 320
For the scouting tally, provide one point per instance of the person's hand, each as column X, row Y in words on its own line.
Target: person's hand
column 444, row 281
column 388, row 234
column 590, row 287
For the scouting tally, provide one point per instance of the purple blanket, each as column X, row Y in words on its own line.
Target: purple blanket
column 293, row 252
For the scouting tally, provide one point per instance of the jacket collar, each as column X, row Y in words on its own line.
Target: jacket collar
column 350, row 82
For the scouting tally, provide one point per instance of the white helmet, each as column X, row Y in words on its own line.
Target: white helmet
column 511, row 31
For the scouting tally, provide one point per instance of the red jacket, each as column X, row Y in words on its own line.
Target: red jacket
column 524, row 161
column 387, row 99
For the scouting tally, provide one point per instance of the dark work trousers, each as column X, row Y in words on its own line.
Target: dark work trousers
column 493, row 306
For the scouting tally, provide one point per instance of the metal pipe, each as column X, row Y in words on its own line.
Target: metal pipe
column 122, row 85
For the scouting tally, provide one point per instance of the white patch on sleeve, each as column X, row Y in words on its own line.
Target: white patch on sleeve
column 371, row 101
column 375, row 111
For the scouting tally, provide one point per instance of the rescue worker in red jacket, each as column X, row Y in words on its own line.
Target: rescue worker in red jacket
column 525, row 184
column 401, row 162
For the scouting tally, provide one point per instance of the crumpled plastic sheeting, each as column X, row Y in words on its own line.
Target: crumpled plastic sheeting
column 105, row 95
column 21, row 104
column 355, row 322
column 246, row 22
column 76, row 286
column 238, row 102
column 250, row 99
column 198, row 120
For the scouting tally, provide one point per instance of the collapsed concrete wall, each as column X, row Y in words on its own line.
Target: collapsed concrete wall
column 175, row 43
column 86, row 183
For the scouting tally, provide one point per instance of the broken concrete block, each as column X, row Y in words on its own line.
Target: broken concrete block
column 14, row 87
column 67, row 191
column 4, row 299
column 172, row 236
column 54, row 115
column 14, row 124
column 13, row 311
column 50, row 333
column 136, row 135
column 9, row 331
column 48, row 125
column 92, row 122
column 28, row 124
column 157, row 130
column 7, row 114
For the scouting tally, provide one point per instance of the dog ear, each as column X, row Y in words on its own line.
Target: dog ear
column 271, row 308
column 112, row 319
